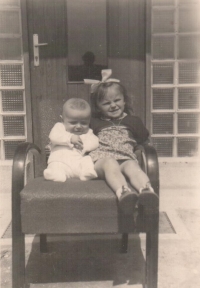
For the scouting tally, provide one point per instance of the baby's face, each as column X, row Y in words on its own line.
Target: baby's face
column 76, row 121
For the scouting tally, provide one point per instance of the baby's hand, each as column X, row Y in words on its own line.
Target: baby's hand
column 76, row 140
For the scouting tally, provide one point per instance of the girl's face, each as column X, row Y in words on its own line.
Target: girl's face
column 112, row 105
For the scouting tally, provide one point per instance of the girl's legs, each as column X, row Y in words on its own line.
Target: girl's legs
column 140, row 181
column 137, row 178
column 109, row 169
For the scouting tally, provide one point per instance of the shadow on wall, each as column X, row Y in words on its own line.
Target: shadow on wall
column 88, row 70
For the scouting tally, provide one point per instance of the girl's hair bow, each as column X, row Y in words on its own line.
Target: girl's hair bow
column 106, row 73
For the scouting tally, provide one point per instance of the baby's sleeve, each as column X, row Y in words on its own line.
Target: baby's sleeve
column 90, row 141
column 59, row 136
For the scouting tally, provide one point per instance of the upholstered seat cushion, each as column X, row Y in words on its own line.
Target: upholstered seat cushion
column 71, row 207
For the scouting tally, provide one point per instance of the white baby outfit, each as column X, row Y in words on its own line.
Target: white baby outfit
column 65, row 161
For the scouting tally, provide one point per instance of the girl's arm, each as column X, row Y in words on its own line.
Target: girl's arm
column 140, row 131
column 59, row 136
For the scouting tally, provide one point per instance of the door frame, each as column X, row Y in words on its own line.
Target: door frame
column 148, row 65
column 27, row 75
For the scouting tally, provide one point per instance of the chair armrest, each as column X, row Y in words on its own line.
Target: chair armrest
column 19, row 163
column 18, row 173
column 152, row 166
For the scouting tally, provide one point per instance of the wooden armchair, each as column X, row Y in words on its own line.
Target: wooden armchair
column 75, row 207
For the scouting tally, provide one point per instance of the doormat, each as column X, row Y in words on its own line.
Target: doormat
column 165, row 227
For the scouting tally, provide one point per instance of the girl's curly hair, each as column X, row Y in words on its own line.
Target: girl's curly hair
column 101, row 91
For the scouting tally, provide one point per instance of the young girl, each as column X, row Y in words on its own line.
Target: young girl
column 115, row 160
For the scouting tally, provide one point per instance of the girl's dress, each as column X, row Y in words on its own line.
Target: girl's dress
column 117, row 138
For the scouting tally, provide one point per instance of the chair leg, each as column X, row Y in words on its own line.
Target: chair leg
column 124, row 243
column 43, row 243
column 18, row 260
column 152, row 259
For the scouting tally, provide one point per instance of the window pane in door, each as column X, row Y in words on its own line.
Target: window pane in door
column 163, row 123
column 9, row 22
column 163, row 47
column 163, row 98
column 87, row 39
column 188, row 147
column 163, row 21
column 13, row 125
column 163, row 73
column 189, row 73
column 12, row 100
column 189, row 47
column 11, row 75
column 193, row 20
column 10, row 49
column 188, row 123
column 163, row 146
column 188, row 98
column 10, row 147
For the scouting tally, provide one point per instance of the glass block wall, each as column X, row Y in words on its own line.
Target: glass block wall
column 175, row 81
column 12, row 97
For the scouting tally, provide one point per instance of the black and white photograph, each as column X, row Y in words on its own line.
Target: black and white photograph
column 100, row 143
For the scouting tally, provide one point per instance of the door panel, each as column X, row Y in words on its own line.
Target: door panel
column 48, row 80
column 126, row 33
column 49, row 86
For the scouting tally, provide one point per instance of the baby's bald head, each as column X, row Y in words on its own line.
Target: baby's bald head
column 76, row 104
column 76, row 110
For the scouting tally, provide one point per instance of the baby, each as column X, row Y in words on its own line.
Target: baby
column 70, row 141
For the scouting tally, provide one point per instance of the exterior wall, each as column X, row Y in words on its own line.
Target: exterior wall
column 13, row 121
column 12, row 88
column 175, row 77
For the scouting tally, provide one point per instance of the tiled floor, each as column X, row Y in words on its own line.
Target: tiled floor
column 5, row 211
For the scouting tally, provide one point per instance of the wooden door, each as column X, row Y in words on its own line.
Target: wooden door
column 49, row 81
column 47, row 18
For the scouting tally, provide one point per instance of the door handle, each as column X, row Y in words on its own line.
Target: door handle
column 36, row 46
